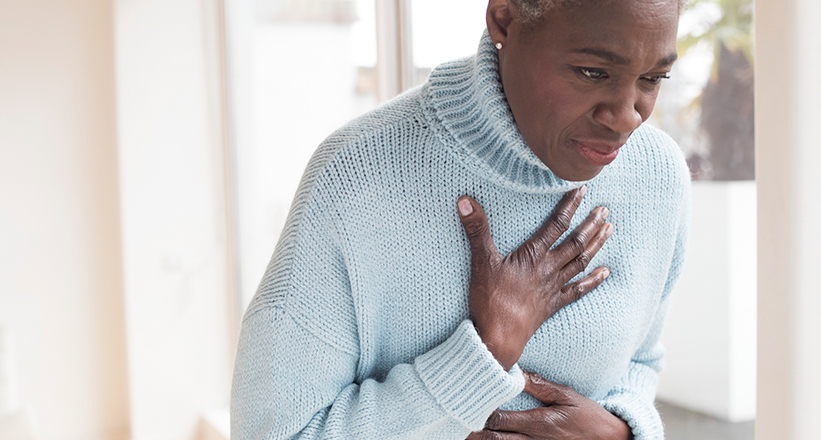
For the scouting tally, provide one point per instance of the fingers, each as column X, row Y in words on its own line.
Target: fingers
column 557, row 398
column 487, row 434
column 474, row 222
column 559, row 221
column 515, row 421
column 576, row 243
column 574, row 291
column 545, row 391
column 579, row 264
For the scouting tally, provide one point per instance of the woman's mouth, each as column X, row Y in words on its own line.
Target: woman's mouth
column 599, row 154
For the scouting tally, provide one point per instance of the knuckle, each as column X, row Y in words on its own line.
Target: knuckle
column 538, row 245
column 562, row 220
column 528, row 254
column 577, row 243
column 576, row 291
column 566, row 393
column 582, row 261
column 475, row 228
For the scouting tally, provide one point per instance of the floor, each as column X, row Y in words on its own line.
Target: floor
column 681, row 424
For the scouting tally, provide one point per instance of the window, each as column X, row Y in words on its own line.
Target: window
column 299, row 69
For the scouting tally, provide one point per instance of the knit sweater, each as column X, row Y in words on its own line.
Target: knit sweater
column 360, row 328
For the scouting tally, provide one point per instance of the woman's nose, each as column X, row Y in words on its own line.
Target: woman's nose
column 620, row 114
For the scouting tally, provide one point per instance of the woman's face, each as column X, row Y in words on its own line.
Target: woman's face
column 583, row 77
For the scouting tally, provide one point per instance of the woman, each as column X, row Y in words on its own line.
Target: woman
column 388, row 310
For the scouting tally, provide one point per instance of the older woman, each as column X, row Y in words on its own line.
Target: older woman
column 418, row 290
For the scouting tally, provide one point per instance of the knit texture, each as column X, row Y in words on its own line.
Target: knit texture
column 360, row 330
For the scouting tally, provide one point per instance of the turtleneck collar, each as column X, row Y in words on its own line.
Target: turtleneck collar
column 466, row 106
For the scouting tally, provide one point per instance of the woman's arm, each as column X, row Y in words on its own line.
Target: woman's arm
column 296, row 368
column 290, row 383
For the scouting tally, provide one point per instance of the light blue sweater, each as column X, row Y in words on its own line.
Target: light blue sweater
column 359, row 329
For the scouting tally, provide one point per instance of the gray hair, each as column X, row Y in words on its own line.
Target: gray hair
column 532, row 10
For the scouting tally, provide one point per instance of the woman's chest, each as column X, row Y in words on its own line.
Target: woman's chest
column 410, row 271
column 411, row 298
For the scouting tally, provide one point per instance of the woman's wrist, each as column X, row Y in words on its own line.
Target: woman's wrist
column 621, row 429
column 506, row 351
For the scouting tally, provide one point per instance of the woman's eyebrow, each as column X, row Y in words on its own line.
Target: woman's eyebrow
column 613, row 58
column 668, row 60
column 604, row 54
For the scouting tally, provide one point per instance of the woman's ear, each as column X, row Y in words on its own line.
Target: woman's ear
column 500, row 14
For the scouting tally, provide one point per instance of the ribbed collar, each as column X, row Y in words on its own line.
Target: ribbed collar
column 465, row 97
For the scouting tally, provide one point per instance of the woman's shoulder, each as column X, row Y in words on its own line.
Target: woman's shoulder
column 372, row 133
column 354, row 154
column 650, row 140
column 656, row 157
column 394, row 115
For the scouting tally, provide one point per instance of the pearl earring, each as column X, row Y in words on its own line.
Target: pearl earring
column 499, row 46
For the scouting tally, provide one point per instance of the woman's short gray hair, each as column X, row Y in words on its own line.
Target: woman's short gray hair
column 532, row 10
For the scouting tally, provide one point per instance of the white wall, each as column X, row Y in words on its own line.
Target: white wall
column 89, row 143
column 788, row 156
column 710, row 333
column 61, row 295
column 174, row 229
column 275, row 86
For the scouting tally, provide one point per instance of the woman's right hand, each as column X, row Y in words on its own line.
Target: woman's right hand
column 512, row 296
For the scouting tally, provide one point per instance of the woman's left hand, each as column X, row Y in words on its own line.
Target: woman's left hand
column 567, row 416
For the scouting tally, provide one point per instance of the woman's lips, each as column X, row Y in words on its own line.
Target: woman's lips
column 597, row 154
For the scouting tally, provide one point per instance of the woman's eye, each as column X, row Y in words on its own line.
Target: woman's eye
column 655, row 79
column 592, row 73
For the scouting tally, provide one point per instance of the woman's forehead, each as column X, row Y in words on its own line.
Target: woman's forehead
column 624, row 28
column 614, row 13
column 619, row 22
column 532, row 10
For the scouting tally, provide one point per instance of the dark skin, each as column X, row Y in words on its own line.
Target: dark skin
column 579, row 81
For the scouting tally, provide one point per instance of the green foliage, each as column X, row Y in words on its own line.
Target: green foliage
column 734, row 29
column 725, row 106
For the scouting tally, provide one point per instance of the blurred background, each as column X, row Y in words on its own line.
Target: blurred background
column 149, row 152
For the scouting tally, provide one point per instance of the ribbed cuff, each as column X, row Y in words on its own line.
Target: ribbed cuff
column 465, row 378
column 641, row 415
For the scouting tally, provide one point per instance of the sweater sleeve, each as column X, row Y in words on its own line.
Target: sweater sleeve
column 296, row 376
column 632, row 399
column 289, row 384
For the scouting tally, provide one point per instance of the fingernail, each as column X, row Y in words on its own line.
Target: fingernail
column 465, row 208
column 609, row 229
column 583, row 190
column 605, row 212
column 605, row 273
